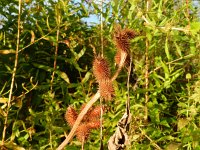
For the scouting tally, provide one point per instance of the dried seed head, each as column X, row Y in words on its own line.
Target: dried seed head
column 106, row 89
column 83, row 132
column 71, row 116
column 95, row 113
column 94, row 124
column 122, row 44
column 92, row 114
column 122, row 38
column 101, row 68
column 128, row 34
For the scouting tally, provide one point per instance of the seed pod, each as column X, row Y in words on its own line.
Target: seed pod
column 71, row 116
column 101, row 68
column 95, row 113
column 94, row 124
column 122, row 38
column 122, row 44
column 128, row 34
column 106, row 89
column 83, row 132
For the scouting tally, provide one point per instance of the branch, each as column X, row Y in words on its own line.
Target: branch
column 172, row 28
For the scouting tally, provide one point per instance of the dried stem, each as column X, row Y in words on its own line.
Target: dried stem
column 146, row 73
column 121, row 64
column 56, row 50
column 13, row 75
column 87, row 107
column 146, row 79
column 43, row 37
column 55, row 60
column 128, row 85
column 101, row 27
column 82, row 145
column 188, row 13
column 102, row 52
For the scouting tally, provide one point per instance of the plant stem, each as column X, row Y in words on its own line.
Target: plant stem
column 56, row 51
column 146, row 72
column 101, row 27
column 188, row 13
column 146, row 79
column 13, row 75
column 101, row 116
column 128, row 85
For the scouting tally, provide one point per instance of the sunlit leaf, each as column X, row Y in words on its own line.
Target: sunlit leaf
column 167, row 49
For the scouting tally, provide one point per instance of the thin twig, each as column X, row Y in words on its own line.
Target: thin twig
column 43, row 37
column 168, row 28
column 13, row 75
column 128, row 85
column 146, row 74
column 102, row 52
column 188, row 13
column 101, row 27
column 171, row 62
column 121, row 64
column 146, row 79
column 153, row 143
column 55, row 59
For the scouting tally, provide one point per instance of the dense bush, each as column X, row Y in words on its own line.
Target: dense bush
column 54, row 70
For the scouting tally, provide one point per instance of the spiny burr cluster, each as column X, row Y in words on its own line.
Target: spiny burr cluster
column 122, row 39
column 102, row 74
column 90, row 121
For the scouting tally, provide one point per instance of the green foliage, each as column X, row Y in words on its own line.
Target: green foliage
column 167, row 34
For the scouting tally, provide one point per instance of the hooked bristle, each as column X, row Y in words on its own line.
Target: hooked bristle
column 122, row 38
column 83, row 132
column 122, row 44
column 101, row 68
column 106, row 89
column 71, row 116
column 128, row 34
column 94, row 124
column 92, row 114
column 90, row 121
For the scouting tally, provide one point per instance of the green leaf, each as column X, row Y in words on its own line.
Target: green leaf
column 195, row 27
column 63, row 75
column 178, row 49
column 165, row 123
column 167, row 49
column 166, row 70
column 3, row 100
column 182, row 122
column 87, row 77
column 39, row 28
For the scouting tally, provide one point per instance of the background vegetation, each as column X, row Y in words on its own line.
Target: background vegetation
column 54, row 71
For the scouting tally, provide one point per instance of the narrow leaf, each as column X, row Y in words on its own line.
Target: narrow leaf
column 167, row 49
